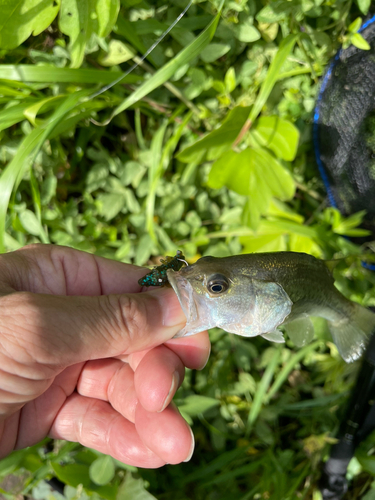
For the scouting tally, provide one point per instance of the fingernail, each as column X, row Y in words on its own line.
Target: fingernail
column 192, row 446
column 170, row 306
column 173, row 388
column 208, row 357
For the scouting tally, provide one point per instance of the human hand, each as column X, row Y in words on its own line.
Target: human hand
column 85, row 357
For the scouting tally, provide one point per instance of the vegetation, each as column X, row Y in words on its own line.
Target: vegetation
column 205, row 146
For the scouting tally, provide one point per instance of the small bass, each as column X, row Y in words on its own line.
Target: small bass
column 254, row 294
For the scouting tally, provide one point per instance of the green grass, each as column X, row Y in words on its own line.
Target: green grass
column 154, row 163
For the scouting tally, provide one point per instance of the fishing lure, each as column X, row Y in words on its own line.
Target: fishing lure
column 158, row 276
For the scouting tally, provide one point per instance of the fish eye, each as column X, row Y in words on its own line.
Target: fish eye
column 218, row 284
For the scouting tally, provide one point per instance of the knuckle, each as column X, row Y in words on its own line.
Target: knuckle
column 129, row 314
column 133, row 315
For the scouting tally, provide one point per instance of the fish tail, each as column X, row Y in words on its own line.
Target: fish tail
column 351, row 333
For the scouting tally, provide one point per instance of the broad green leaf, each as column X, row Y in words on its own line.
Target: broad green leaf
column 80, row 19
column 48, row 189
column 282, row 210
column 305, row 244
column 276, row 235
column 21, row 18
column 51, row 74
column 271, row 15
column 12, row 461
column 273, row 224
column 230, row 80
column 264, row 243
column 30, row 222
column 111, row 204
column 73, row 474
column 214, row 51
column 277, row 134
column 11, row 244
column 268, row 31
column 224, row 135
column 77, row 474
column 349, row 226
column 255, row 206
column 169, row 69
column 102, row 470
column 246, row 32
column 368, row 463
column 272, row 76
column 253, row 172
column 195, row 404
column 355, row 25
column 97, row 177
column 107, row 12
column 133, row 489
column 118, row 52
column 364, row 6
column 359, row 42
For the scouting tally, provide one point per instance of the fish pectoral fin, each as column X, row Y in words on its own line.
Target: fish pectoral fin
column 275, row 336
column 300, row 331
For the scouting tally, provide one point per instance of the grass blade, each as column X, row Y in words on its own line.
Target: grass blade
column 14, row 114
column 169, row 69
column 283, row 375
column 260, row 395
column 161, row 158
column 273, row 73
column 156, row 149
column 26, row 153
column 51, row 74
column 13, row 170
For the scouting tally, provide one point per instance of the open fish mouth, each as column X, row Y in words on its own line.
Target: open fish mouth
column 183, row 290
column 186, row 296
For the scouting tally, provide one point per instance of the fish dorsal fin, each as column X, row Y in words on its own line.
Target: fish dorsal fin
column 300, row 331
column 268, row 306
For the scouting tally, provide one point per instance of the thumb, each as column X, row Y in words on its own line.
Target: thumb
column 58, row 331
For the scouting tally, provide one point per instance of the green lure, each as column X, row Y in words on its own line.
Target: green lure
column 158, row 276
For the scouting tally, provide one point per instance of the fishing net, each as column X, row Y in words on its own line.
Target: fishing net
column 344, row 129
column 344, row 143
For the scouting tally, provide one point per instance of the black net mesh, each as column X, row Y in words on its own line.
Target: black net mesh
column 344, row 129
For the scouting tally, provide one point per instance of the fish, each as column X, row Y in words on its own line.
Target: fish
column 255, row 294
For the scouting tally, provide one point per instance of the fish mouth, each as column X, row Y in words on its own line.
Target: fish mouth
column 185, row 295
